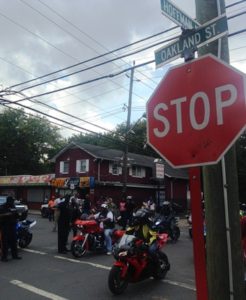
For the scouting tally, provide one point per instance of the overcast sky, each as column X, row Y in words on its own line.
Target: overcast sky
column 42, row 36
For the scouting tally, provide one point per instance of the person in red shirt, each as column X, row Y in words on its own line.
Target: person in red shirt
column 123, row 213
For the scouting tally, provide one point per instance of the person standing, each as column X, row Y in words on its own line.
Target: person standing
column 87, row 205
column 8, row 229
column 51, row 204
column 74, row 214
column 123, row 213
column 63, row 225
column 57, row 201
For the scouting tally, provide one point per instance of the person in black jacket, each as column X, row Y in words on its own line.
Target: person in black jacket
column 8, row 217
column 63, row 225
column 74, row 214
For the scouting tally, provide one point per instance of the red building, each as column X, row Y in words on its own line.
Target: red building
column 98, row 171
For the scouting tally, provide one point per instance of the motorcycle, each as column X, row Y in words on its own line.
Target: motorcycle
column 134, row 263
column 90, row 237
column 167, row 224
column 24, row 235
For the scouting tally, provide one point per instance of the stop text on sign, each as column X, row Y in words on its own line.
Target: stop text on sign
column 199, row 98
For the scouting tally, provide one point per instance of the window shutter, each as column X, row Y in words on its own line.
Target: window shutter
column 130, row 171
column 143, row 172
column 120, row 170
column 61, row 166
column 110, row 168
column 78, row 166
column 87, row 165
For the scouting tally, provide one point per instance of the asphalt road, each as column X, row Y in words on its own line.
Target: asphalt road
column 45, row 274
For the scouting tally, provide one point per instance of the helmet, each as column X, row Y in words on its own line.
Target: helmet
column 141, row 217
column 104, row 205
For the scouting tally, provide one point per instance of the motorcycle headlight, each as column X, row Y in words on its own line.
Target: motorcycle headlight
column 123, row 253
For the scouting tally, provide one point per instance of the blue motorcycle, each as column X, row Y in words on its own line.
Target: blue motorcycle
column 23, row 232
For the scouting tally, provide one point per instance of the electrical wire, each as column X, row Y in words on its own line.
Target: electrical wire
column 111, row 60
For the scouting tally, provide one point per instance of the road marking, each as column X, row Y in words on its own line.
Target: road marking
column 35, row 251
column 37, row 291
column 176, row 283
column 180, row 284
column 83, row 262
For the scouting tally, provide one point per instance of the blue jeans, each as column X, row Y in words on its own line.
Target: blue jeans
column 108, row 239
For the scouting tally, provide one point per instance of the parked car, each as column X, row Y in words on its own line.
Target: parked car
column 44, row 209
column 22, row 209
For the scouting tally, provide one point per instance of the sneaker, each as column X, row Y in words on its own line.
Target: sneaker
column 109, row 253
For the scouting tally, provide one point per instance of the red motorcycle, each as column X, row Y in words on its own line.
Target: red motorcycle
column 134, row 263
column 90, row 237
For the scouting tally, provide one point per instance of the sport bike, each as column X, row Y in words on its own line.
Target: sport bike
column 23, row 232
column 134, row 263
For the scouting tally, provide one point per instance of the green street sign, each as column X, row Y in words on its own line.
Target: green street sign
column 179, row 17
column 212, row 30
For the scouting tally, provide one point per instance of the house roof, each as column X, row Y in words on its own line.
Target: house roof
column 117, row 155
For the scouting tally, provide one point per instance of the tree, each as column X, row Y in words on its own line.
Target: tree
column 116, row 139
column 27, row 143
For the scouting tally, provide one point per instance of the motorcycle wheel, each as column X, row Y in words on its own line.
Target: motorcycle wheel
column 77, row 249
column 163, row 266
column 175, row 234
column 25, row 240
column 116, row 284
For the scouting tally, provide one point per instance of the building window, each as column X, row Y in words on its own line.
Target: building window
column 82, row 166
column 136, row 171
column 64, row 167
column 115, row 169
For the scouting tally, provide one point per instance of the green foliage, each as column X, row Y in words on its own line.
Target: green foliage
column 27, row 143
column 116, row 139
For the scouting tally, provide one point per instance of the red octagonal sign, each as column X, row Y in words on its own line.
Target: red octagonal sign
column 197, row 112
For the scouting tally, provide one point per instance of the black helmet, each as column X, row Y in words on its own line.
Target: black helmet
column 141, row 217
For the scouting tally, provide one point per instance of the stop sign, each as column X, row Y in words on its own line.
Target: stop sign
column 197, row 112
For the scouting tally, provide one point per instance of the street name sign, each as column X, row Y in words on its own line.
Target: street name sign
column 210, row 31
column 197, row 112
column 179, row 17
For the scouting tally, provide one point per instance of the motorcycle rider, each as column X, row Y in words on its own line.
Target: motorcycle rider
column 106, row 219
column 9, row 217
column 140, row 227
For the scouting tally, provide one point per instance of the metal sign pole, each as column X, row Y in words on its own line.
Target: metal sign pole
column 197, row 233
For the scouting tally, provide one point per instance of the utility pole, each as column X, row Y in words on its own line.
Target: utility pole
column 223, row 243
column 128, row 123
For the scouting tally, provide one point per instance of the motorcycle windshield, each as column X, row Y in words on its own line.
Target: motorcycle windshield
column 126, row 240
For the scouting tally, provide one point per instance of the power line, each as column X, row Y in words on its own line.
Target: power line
column 111, row 60
column 82, row 83
column 68, row 32
column 105, row 76
column 101, row 55
column 94, row 58
column 53, row 117
column 235, row 3
column 102, row 77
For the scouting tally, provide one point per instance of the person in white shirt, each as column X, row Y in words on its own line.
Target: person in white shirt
column 106, row 219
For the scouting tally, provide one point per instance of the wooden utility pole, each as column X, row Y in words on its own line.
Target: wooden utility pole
column 224, row 256
column 128, row 123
